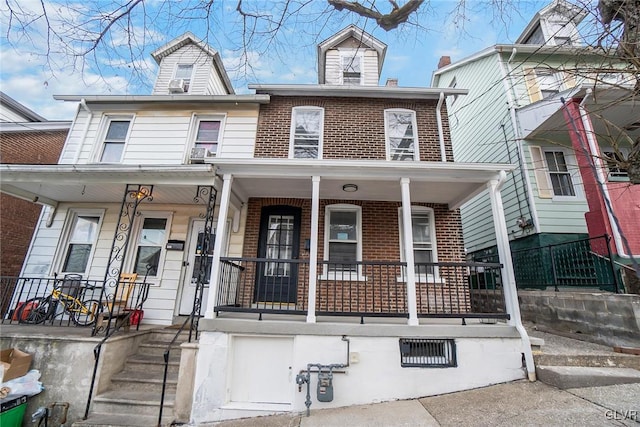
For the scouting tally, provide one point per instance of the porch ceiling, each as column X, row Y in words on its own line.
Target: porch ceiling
column 434, row 182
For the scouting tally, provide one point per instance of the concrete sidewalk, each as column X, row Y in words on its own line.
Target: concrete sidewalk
column 520, row 403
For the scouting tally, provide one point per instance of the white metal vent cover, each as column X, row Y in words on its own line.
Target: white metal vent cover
column 427, row 353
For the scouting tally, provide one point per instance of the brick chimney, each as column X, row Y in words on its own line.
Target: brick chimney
column 393, row 81
column 444, row 61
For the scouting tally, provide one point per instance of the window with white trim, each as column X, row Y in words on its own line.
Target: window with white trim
column 612, row 161
column 351, row 63
column 115, row 139
column 208, row 134
column 343, row 240
column 401, row 138
column 150, row 244
column 559, row 173
column 80, row 241
column 184, row 72
column 306, row 133
column 424, row 239
column 549, row 82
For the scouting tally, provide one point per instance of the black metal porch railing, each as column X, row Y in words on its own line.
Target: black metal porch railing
column 362, row 289
column 66, row 301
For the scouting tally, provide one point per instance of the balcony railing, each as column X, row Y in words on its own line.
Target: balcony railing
column 362, row 289
column 67, row 301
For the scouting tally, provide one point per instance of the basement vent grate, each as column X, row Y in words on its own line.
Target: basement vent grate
column 427, row 353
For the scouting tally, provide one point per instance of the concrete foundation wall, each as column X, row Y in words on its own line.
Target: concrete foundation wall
column 66, row 365
column 612, row 319
column 223, row 390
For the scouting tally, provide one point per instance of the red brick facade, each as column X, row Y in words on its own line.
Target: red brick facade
column 353, row 127
column 19, row 217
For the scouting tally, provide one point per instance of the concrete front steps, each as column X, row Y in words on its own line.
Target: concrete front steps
column 567, row 363
column 133, row 398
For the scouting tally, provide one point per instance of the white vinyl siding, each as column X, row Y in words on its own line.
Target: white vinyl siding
column 369, row 67
column 165, row 137
column 204, row 80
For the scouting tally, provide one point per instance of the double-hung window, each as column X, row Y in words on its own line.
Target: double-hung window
column 207, row 135
column 424, row 241
column 81, row 241
column 306, row 133
column 115, row 140
column 559, row 174
column 152, row 238
column 184, row 72
column 548, row 82
column 401, row 137
column 343, row 238
column 351, row 68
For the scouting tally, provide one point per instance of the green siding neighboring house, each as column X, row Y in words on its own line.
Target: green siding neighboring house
column 544, row 200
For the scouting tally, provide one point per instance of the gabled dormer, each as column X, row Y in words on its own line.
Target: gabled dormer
column 555, row 25
column 188, row 66
column 350, row 57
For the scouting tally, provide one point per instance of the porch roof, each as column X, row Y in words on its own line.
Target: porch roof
column 434, row 182
column 613, row 107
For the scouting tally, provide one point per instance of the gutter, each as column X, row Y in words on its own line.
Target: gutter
column 516, row 131
column 593, row 148
column 83, row 137
column 443, row 154
column 510, row 290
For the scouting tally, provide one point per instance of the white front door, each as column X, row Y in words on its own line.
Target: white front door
column 194, row 259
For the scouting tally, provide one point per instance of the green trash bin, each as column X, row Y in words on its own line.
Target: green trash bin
column 12, row 411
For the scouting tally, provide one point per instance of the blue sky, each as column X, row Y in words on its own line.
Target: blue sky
column 32, row 78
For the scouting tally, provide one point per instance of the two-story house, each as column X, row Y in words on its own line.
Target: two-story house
column 559, row 111
column 334, row 254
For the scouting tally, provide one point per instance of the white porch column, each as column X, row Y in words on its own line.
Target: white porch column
column 508, row 277
column 221, row 231
column 408, row 251
column 313, row 250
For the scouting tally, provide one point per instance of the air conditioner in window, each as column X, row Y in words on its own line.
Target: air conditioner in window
column 198, row 154
column 177, row 86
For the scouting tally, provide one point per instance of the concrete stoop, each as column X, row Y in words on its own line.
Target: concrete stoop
column 133, row 398
column 568, row 363
column 565, row 377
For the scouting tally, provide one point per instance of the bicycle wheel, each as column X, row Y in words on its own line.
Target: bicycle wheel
column 35, row 310
column 88, row 313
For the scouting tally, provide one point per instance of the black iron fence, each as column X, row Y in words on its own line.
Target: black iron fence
column 68, row 301
column 363, row 289
column 576, row 264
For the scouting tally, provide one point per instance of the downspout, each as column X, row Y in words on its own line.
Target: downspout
column 593, row 148
column 83, row 104
column 509, row 282
column 516, row 131
column 443, row 153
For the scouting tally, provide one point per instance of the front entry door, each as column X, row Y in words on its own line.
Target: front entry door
column 277, row 277
column 195, row 259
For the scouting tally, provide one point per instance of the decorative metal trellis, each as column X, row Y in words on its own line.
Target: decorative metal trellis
column 207, row 195
column 134, row 196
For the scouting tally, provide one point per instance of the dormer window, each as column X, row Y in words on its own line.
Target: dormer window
column 184, row 72
column 351, row 68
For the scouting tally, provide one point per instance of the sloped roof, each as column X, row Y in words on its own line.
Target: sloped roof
column 190, row 38
column 19, row 109
column 571, row 11
column 351, row 31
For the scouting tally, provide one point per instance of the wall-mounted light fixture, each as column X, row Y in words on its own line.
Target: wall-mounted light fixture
column 350, row 188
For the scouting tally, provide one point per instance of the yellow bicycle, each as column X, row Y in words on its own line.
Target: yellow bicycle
column 81, row 312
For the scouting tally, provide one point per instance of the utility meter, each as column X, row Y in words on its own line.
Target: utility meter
column 325, row 386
